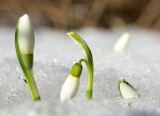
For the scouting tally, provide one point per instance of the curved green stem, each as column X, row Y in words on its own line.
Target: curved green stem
column 90, row 66
column 83, row 60
column 26, row 63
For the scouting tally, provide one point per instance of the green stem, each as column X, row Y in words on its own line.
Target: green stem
column 90, row 66
column 83, row 60
column 27, row 71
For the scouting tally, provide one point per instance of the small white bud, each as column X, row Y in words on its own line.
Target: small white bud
column 24, row 43
column 122, row 43
column 26, row 38
column 126, row 90
column 69, row 88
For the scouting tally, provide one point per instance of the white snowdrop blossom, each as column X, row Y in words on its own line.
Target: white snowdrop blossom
column 71, row 84
column 126, row 90
column 26, row 38
column 69, row 88
column 122, row 43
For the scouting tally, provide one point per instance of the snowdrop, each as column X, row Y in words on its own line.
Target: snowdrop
column 126, row 90
column 71, row 84
column 26, row 39
column 24, row 43
column 122, row 43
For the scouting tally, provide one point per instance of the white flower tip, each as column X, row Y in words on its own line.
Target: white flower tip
column 24, row 18
column 126, row 90
column 69, row 88
column 121, row 43
column 25, row 35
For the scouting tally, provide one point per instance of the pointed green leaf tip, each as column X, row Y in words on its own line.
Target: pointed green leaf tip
column 90, row 65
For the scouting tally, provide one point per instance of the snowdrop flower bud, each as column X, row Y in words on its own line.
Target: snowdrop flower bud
column 122, row 43
column 126, row 90
column 24, row 43
column 26, row 35
column 71, row 84
column 26, row 40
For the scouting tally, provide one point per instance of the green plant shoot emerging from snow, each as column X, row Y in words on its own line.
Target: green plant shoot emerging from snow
column 71, row 84
column 24, row 43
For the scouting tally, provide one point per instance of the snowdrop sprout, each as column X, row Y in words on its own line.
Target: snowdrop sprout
column 24, row 43
column 122, row 43
column 126, row 90
column 69, row 91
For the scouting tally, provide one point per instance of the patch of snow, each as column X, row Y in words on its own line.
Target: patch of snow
column 55, row 54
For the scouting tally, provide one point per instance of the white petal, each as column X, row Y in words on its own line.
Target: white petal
column 25, row 35
column 128, row 91
column 121, row 43
column 69, row 88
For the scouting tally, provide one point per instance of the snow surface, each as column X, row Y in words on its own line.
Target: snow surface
column 55, row 54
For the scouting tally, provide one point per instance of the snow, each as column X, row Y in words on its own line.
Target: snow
column 55, row 53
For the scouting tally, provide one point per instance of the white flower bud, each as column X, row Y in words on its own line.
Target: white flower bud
column 69, row 88
column 126, row 90
column 122, row 43
column 26, row 38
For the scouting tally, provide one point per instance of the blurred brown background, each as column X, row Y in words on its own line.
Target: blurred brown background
column 81, row 13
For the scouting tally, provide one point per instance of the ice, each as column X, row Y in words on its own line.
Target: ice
column 55, row 54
